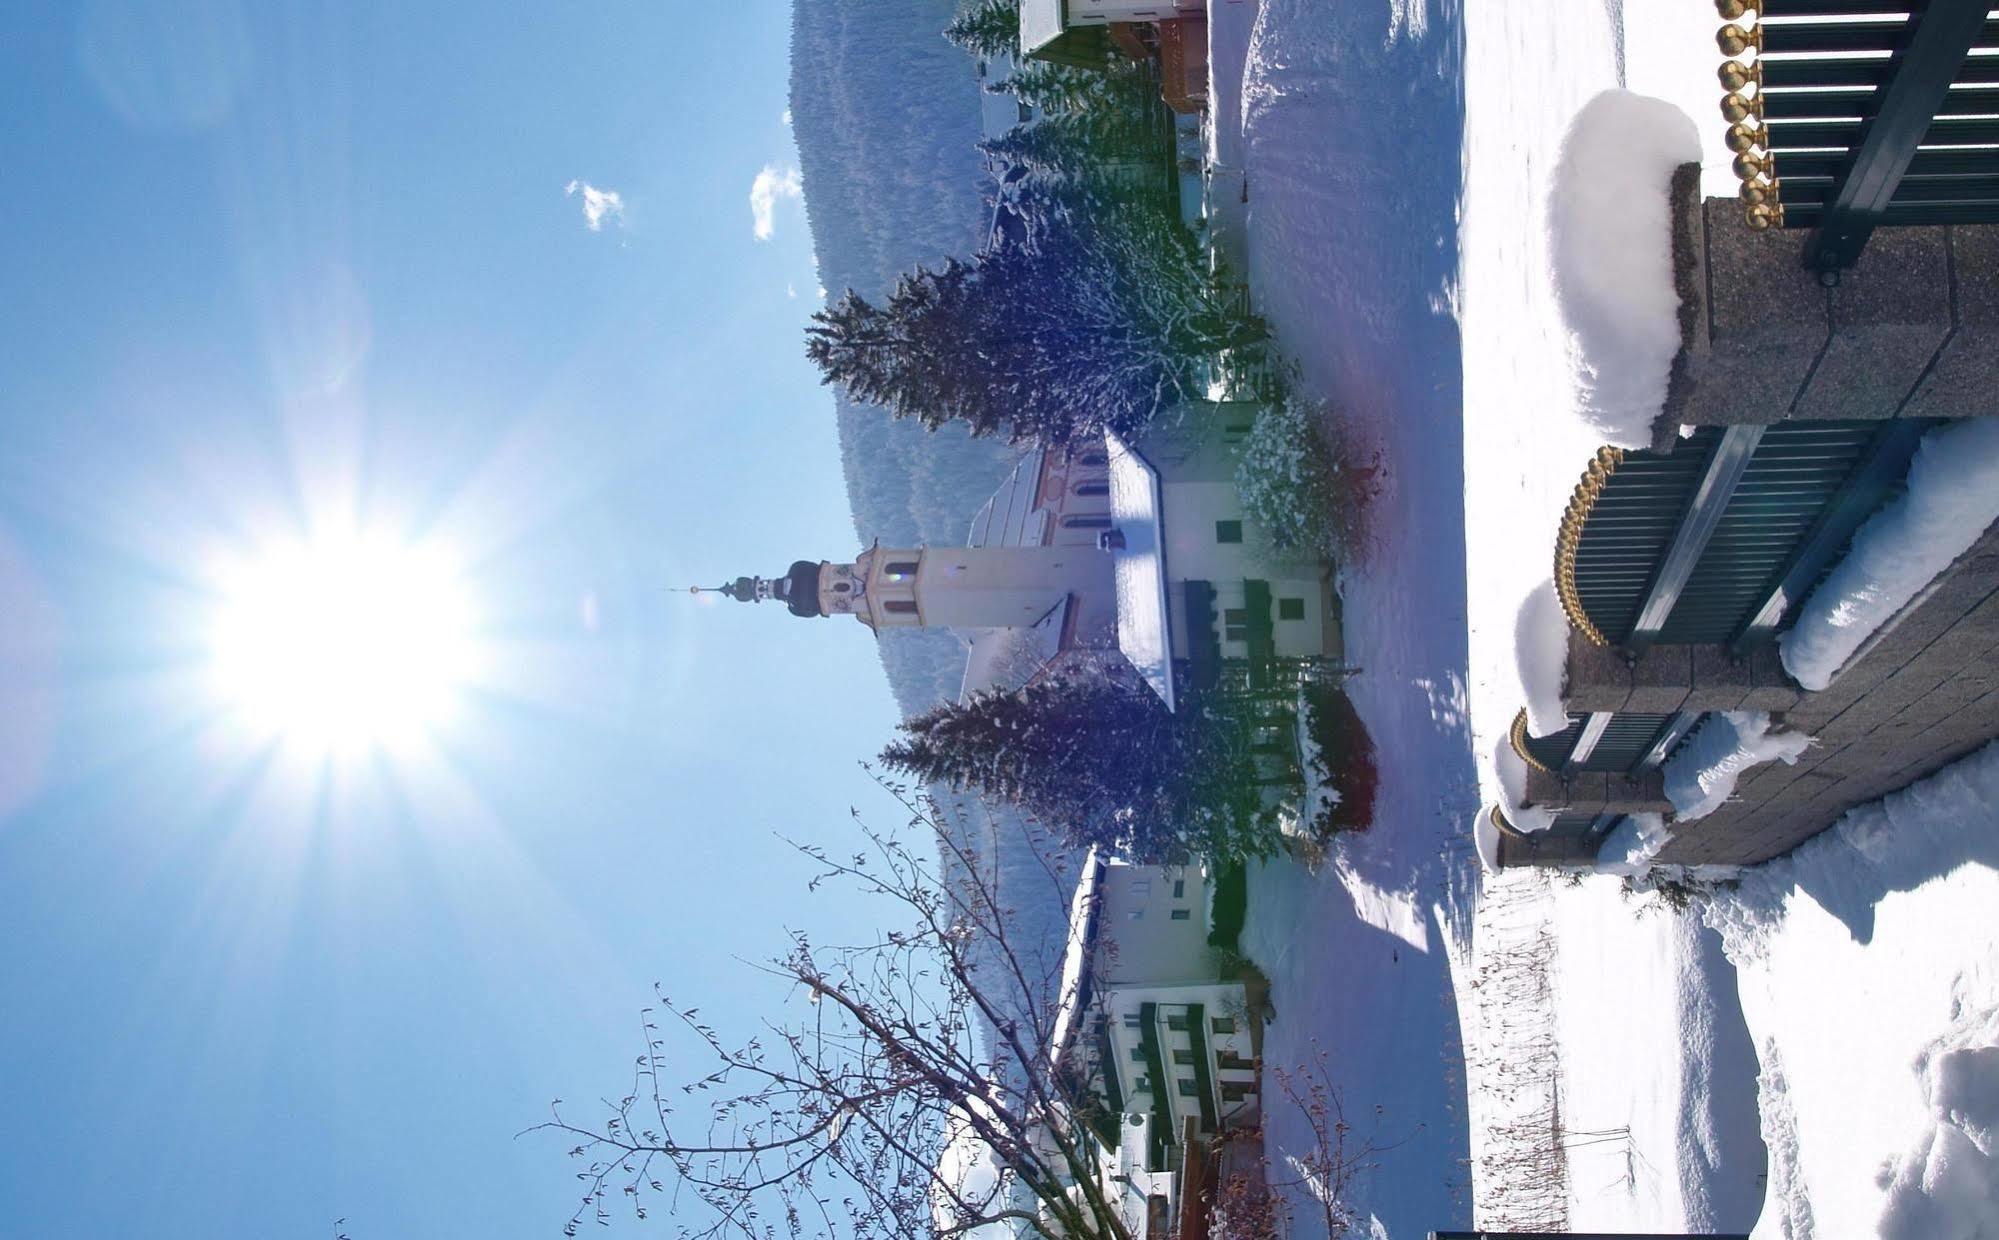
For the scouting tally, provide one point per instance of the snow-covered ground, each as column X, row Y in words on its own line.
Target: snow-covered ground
column 1552, row 1025
column 1869, row 969
column 1352, row 227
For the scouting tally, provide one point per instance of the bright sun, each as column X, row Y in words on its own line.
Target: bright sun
column 343, row 644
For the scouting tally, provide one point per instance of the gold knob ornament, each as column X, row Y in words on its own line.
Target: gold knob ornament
column 1765, row 216
column 1736, row 107
column 1746, row 137
column 1734, row 40
column 1733, row 10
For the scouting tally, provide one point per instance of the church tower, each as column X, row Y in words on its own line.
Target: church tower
column 941, row 587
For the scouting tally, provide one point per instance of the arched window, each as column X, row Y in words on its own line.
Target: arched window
column 901, row 570
column 1087, row 521
column 899, row 607
column 1092, row 458
column 1093, row 488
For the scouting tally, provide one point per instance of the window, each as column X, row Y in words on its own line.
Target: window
column 1181, row 914
column 1184, row 1058
column 841, row 587
column 1142, row 887
column 1291, row 609
column 1131, row 1020
column 1098, row 521
column 1093, row 488
column 1235, row 624
column 1179, row 889
column 1222, row 1024
column 1138, row 1052
column 1141, row 1084
column 1188, row 1089
column 900, row 607
column 1177, row 1024
column 1093, row 458
column 1236, row 1091
column 901, row 570
column 1229, row 1061
column 1228, row 531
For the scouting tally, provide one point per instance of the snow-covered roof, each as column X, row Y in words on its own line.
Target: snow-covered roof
column 1010, row 658
column 1075, row 993
column 1144, row 632
column 1041, row 23
column 1010, row 518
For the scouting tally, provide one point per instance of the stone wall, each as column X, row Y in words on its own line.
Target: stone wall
column 1924, row 693
column 1911, row 331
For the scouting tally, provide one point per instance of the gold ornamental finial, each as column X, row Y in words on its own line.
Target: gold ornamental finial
column 1732, row 10
column 1765, row 216
column 1744, row 137
column 1739, row 107
column 1749, row 166
column 1735, row 75
column 1733, row 40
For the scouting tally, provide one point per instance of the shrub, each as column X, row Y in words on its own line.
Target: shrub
column 1301, row 493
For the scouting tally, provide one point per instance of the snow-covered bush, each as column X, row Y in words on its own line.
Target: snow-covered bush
column 1297, row 488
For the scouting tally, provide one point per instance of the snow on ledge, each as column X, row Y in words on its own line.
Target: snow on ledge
column 1953, row 497
column 1629, row 849
column 1701, row 775
column 1541, row 652
column 1610, row 237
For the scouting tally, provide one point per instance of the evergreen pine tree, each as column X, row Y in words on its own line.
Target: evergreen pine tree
column 1086, row 324
column 989, row 28
column 1100, row 759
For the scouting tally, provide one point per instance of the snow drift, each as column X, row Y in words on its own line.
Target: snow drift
column 1610, row 237
column 1541, row 649
column 1701, row 775
column 1953, row 496
column 1870, row 982
column 1629, row 849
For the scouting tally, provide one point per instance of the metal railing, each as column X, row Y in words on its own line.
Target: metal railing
column 1848, row 115
column 1715, row 541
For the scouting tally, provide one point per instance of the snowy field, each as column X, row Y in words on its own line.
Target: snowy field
column 1353, row 258
column 1418, row 294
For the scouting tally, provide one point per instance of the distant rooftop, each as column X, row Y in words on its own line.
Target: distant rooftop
column 1139, row 568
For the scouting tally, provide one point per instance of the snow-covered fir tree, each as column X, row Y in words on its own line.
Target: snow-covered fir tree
column 1095, row 319
column 1100, row 759
column 988, row 28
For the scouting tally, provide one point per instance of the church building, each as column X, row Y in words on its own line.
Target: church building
column 1100, row 547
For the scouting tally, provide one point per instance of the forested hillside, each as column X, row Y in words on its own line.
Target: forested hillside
column 886, row 116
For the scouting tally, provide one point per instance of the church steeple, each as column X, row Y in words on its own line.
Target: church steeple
column 798, row 589
column 930, row 587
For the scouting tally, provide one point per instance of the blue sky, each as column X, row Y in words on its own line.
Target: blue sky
column 264, row 262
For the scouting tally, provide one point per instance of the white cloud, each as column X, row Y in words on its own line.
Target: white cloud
column 787, row 118
column 770, row 186
column 598, row 205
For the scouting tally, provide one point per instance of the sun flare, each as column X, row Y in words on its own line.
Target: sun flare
column 343, row 644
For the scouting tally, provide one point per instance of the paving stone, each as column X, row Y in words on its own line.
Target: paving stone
column 1768, row 320
column 1720, row 681
column 1891, row 313
column 1661, row 679
column 1599, row 677
column 1965, row 380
